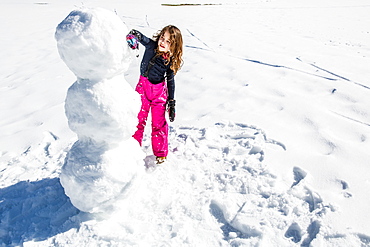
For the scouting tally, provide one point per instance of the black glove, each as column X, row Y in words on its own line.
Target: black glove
column 133, row 38
column 171, row 109
column 136, row 33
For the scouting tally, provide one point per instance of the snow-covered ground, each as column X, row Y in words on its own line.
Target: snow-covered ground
column 270, row 146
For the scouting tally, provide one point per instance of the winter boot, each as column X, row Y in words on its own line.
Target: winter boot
column 160, row 160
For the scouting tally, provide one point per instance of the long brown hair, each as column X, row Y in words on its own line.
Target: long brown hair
column 175, row 54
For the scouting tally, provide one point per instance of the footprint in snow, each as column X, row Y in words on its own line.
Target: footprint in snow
column 249, row 202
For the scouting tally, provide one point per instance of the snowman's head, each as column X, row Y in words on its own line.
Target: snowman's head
column 92, row 42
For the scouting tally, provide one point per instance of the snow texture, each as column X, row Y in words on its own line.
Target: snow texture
column 270, row 146
column 101, row 108
column 96, row 35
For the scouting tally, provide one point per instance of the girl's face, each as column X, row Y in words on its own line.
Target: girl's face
column 164, row 42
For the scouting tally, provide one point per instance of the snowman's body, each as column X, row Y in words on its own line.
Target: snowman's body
column 101, row 108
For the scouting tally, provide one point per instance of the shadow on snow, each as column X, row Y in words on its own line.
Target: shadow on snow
column 35, row 211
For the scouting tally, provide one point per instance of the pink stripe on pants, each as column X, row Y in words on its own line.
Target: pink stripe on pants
column 154, row 98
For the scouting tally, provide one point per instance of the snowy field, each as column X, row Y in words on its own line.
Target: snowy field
column 270, row 145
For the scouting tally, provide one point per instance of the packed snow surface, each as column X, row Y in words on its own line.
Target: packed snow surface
column 90, row 43
column 270, row 145
column 101, row 108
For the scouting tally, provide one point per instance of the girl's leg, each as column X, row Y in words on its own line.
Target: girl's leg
column 144, row 111
column 159, row 123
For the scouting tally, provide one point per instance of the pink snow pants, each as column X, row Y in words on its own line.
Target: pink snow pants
column 154, row 98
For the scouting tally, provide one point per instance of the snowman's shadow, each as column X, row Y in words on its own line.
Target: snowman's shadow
column 35, row 210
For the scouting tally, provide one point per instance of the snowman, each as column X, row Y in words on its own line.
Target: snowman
column 103, row 164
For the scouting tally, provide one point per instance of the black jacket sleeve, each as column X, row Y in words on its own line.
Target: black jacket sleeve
column 171, row 84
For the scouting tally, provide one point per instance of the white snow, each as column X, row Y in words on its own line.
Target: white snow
column 270, row 146
column 90, row 43
column 101, row 108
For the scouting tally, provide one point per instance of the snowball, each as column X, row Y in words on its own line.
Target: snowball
column 92, row 42
column 105, row 111
column 94, row 177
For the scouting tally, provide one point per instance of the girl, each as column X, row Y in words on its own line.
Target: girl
column 161, row 61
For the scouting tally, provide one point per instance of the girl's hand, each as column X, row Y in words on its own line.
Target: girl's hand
column 171, row 109
column 132, row 41
column 136, row 33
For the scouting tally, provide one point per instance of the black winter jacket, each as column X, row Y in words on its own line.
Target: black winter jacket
column 158, row 71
